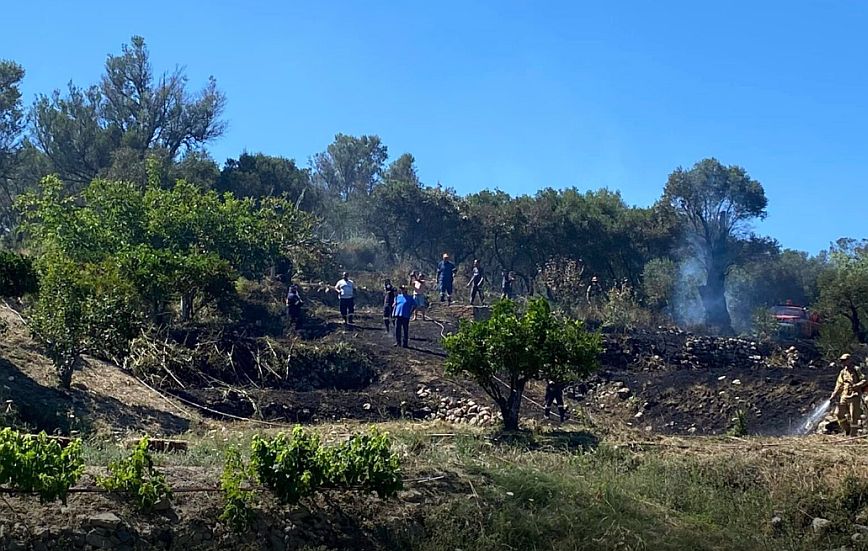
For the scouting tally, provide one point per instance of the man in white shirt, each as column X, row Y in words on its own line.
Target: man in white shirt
column 346, row 289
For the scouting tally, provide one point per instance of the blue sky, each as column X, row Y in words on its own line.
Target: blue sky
column 516, row 95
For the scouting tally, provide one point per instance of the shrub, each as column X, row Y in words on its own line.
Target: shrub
column 136, row 476
column 38, row 464
column 17, row 275
column 509, row 349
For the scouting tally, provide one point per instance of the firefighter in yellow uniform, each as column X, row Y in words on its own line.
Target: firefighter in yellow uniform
column 849, row 387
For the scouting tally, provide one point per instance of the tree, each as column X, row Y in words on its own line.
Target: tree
column 350, row 166
column 715, row 204
column 402, row 169
column 509, row 349
column 423, row 223
column 128, row 117
column 116, row 253
column 266, row 176
column 844, row 287
column 11, row 126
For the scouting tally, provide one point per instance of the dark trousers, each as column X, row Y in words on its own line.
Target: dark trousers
column 555, row 393
column 445, row 290
column 348, row 307
column 294, row 314
column 474, row 291
column 402, row 331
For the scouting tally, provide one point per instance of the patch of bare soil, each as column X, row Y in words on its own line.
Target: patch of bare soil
column 103, row 398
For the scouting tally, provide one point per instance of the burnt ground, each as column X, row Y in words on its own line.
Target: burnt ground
column 667, row 399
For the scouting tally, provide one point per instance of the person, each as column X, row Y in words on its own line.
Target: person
column 293, row 306
column 404, row 306
column 389, row 294
column 849, row 387
column 595, row 294
column 420, row 285
column 506, row 285
column 346, row 292
column 555, row 393
column 445, row 278
column 477, row 280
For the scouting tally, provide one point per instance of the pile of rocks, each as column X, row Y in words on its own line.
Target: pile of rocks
column 465, row 411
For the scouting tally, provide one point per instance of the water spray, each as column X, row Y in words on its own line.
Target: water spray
column 811, row 420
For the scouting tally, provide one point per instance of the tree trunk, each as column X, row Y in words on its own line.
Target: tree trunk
column 713, row 295
column 187, row 305
column 511, row 407
column 856, row 325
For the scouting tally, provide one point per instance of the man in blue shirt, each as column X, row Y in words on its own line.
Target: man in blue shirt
column 404, row 306
column 445, row 277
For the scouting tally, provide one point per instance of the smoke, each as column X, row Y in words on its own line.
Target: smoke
column 687, row 304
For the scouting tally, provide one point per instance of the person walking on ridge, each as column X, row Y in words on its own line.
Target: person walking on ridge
column 477, row 280
column 506, row 285
column 420, row 287
column 389, row 294
column 555, row 393
column 293, row 306
column 404, row 306
column 346, row 293
column 445, row 278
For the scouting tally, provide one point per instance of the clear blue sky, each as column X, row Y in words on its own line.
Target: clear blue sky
column 516, row 95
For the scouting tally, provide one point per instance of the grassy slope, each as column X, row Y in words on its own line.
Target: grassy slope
column 567, row 490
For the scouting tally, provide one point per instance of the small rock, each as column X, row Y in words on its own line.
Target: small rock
column 366, row 406
column 109, row 521
column 857, row 537
column 820, row 525
column 736, row 381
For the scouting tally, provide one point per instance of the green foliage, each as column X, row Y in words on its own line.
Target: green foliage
column 83, row 307
column 739, row 424
column 236, row 513
column 290, row 465
column 297, row 465
column 622, row 311
column 17, row 275
column 836, row 338
column 516, row 347
column 38, row 464
column 659, row 279
column 137, row 477
column 764, row 324
column 110, row 129
column 366, row 461
column 844, row 287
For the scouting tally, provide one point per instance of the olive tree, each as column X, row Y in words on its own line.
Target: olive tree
column 510, row 348
column 715, row 204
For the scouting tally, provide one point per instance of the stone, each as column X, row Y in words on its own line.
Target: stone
column 98, row 539
column 108, row 521
column 858, row 537
column 736, row 382
column 777, row 522
column 820, row 525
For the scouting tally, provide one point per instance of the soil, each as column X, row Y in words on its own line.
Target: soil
column 671, row 399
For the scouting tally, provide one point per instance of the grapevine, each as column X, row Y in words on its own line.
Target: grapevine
column 38, row 464
column 137, row 476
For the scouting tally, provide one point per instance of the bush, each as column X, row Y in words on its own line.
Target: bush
column 136, row 476
column 361, row 254
column 621, row 311
column 17, row 275
column 297, row 465
column 38, row 464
